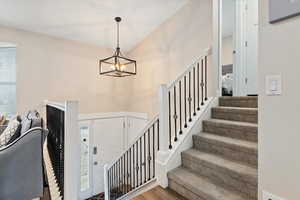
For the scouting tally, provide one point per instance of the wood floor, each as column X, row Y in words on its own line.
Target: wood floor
column 159, row 193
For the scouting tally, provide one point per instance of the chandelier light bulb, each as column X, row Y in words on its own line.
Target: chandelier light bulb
column 122, row 68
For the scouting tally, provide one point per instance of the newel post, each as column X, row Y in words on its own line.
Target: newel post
column 72, row 152
column 164, row 150
column 163, row 118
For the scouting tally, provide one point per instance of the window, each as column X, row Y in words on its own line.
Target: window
column 84, row 159
column 8, row 80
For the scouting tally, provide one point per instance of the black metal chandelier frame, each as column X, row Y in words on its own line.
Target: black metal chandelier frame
column 118, row 61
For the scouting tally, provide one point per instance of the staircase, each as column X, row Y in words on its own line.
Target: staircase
column 181, row 104
column 222, row 165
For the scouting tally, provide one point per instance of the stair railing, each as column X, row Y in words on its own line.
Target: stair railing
column 136, row 166
column 56, row 143
column 182, row 100
column 179, row 103
column 61, row 150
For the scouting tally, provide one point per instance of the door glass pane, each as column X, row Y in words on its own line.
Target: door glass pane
column 84, row 159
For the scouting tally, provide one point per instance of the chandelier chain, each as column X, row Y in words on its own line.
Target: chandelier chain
column 118, row 34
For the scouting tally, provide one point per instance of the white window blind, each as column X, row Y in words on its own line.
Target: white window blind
column 8, row 80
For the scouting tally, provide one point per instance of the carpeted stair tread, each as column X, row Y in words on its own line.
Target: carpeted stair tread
column 230, row 148
column 252, row 146
column 200, row 186
column 219, row 161
column 235, row 114
column 234, row 129
column 233, row 123
column 251, row 102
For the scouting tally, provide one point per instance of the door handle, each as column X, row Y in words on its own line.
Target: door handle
column 95, row 150
column 95, row 163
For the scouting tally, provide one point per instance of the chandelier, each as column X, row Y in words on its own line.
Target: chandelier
column 117, row 65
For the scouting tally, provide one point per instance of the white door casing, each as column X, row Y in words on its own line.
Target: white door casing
column 252, row 46
column 245, row 44
column 239, row 70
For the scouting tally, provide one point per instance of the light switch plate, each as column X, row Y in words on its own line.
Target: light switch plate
column 269, row 196
column 273, row 85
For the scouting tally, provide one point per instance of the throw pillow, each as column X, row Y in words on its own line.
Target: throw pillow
column 11, row 129
column 31, row 120
column 16, row 135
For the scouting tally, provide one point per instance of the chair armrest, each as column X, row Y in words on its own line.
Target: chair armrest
column 21, row 161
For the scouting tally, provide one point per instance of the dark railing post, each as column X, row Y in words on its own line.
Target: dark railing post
column 130, row 169
column 175, row 114
column 145, row 161
column 198, row 85
column 141, row 163
column 153, row 147
column 185, row 110
column 202, row 84
column 149, row 154
column 194, row 91
column 190, row 98
column 170, row 123
column 157, row 135
column 206, row 78
column 180, row 112
column 134, row 166
column 137, row 164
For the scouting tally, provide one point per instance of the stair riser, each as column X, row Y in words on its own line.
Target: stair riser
column 185, row 192
column 232, row 152
column 238, row 132
column 235, row 115
column 246, row 103
column 231, row 180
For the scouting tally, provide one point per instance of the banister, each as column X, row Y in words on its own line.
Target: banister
column 136, row 166
column 57, row 105
column 207, row 52
column 147, row 126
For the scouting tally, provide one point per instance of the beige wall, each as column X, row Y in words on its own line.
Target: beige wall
column 168, row 51
column 227, row 49
column 56, row 69
column 279, row 135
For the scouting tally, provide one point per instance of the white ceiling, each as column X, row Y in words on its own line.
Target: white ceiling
column 228, row 17
column 89, row 21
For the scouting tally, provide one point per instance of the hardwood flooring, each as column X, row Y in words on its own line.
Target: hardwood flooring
column 159, row 193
